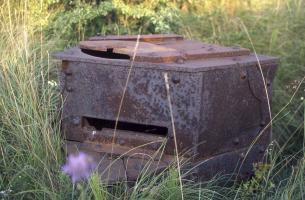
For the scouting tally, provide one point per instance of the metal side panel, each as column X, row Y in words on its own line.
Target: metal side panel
column 95, row 91
column 234, row 109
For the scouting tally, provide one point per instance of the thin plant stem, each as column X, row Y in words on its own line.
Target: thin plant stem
column 123, row 97
column 73, row 188
column 174, row 131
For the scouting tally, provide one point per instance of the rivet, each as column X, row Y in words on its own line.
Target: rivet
column 121, row 142
column 180, row 61
column 68, row 72
column 262, row 123
column 236, row 141
column 65, row 65
column 261, row 150
column 154, row 146
column 69, row 89
column 243, row 75
column 242, row 155
column 76, row 120
column 175, row 80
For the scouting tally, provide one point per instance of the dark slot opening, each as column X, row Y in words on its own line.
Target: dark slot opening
column 106, row 54
column 99, row 124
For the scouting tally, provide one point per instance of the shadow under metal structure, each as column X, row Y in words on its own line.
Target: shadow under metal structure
column 218, row 97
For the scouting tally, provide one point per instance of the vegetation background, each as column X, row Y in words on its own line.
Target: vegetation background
column 30, row 30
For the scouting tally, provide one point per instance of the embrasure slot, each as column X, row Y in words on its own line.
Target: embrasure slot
column 99, row 124
column 109, row 54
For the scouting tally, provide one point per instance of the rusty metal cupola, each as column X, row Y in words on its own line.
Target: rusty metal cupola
column 219, row 103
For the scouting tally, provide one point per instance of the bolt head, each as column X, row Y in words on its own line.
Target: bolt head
column 121, row 142
column 175, row 80
column 180, row 61
column 243, row 75
column 69, row 89
column 261, row 149
column 154, row 146
column 68, row 71
column 236, row 141
column 76, row 120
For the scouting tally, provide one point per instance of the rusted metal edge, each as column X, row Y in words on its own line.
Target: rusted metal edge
column 240, row 161
column 121, row 151
column 115, row 169
column 75, row 54
column 143, row 38
column 133, row 139
column 158, row 53
column 241, row 164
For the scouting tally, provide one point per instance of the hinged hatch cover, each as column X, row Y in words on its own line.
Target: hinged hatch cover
column 156, row 48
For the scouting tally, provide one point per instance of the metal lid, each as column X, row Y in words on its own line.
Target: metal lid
column 160, row 48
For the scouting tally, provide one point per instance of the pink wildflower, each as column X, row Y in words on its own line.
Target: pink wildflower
column 79, row 166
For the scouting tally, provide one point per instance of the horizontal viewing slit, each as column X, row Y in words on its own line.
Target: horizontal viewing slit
column 99, row 124
column 106, row 54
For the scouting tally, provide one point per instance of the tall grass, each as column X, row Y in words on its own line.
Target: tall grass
column 30, row 143
column 276, row 28
column 29, row 139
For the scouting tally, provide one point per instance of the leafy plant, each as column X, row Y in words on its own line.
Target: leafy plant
column 80, row 19
column 258, row 183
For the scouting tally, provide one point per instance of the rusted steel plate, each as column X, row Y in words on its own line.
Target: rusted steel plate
column 214, row 52
column 143, row 166
column 188, row 66
column 193, row 50
column 130, row 138
column 146, row 52
column 238, row 164
column 124, row 166
column 121, row 150
column 145, row 102
column 111, row 170
column 217, row 94
column 124, row 47
column 177, row 51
